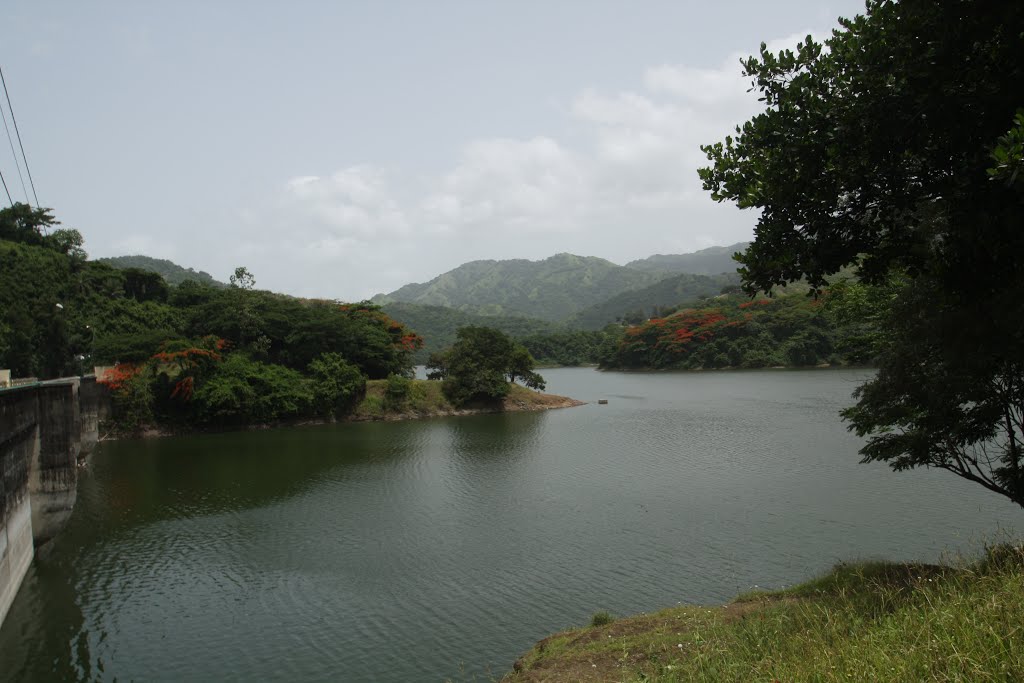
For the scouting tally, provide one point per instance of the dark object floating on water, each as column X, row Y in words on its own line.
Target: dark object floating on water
column 602, row 401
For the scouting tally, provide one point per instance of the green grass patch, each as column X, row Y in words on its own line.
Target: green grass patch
column 423, row 397
column 860, row 622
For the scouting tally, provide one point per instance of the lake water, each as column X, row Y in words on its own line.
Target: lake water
column 444, row 548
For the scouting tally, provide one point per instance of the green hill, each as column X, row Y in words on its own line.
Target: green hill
column 170, row 271
column 642, row 303
column 552, row 289
column 437, row 324
column 710, row 261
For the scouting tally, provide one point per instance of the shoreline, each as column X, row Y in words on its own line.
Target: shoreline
column 370, row 409
column 851, row 623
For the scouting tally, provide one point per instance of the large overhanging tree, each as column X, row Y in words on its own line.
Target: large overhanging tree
column 897, row 146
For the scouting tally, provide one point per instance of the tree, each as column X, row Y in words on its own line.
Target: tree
column 337, row 384
column 21, row 223
column 437, row 364
column 480, row 366
column 144, row 285
column 242, row 279
column 520, row 366
column 250, row 324
column 68, row 241
column 895, row 147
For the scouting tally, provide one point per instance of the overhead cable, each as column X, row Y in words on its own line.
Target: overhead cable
column 6, row 190
column 18, row 133
column 14, row 154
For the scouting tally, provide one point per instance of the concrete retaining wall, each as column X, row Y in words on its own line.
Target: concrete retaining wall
column 44, row 428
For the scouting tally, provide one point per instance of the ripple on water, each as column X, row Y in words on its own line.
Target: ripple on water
column 398, row 551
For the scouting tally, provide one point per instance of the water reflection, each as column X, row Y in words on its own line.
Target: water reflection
column 507, row 435
column 55, row 648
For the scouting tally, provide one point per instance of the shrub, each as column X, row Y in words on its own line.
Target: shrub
column 337, row 384
column 396, row 391
column 601, row 618
column 243, row 390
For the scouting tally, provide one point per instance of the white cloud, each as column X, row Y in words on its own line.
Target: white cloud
column 501, row 184
column 353, row 203
column 626, row 186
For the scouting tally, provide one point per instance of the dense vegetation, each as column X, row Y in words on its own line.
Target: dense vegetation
column 735, row 331
column 898, row 146
column 572, row 348
column 871, row 621
column 481, row 366
column 168, row 270
column 637, row 305
column 190, row 354
column 438, row 325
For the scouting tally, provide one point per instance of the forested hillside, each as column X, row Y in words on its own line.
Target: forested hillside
column 710, row 261
column 438, row 325
column 552, row 289
column 639, row 304
column 170, row 271
column 735, row 331
column 190, row 354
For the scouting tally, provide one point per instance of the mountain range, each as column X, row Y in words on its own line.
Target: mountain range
column 522, row 297
column 564, row 285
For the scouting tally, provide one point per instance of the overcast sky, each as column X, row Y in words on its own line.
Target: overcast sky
column 340, row 149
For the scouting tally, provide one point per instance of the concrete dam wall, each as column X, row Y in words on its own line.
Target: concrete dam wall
column 44, row 429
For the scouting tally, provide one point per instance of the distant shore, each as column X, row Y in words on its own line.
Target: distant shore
column 425, row 400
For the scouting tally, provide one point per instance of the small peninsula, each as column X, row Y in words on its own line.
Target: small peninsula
column 426, row 399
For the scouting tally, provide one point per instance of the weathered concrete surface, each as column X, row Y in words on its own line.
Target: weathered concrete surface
column 53, row 476
column 15, row 553
column 91, row 395
column 19, row 441
column 43, row 429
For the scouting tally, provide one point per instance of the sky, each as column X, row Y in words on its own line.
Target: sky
column 341, row 149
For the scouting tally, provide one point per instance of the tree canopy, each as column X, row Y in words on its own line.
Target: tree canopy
column 191, row 353
column 895, row 146
column 480, row 365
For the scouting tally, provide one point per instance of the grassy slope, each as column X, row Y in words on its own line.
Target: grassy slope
column 862, row 622
column 426, row 400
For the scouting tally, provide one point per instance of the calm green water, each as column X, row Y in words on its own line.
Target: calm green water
column 420, row 551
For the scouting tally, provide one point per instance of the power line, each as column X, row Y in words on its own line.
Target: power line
column 18, row 133
column 13, row 153
column 6, row 190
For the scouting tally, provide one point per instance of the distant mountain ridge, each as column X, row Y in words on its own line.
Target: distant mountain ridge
column 169, row 270
column 583, row 291
column 551, row 289
column 710, row 261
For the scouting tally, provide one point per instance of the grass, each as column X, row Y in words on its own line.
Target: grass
column 871, row 621
column 424, row 398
